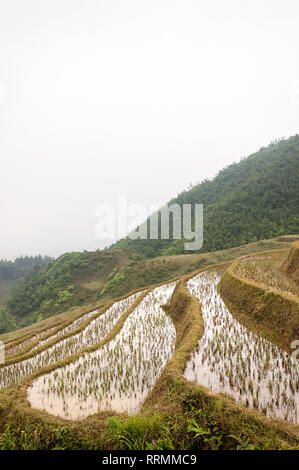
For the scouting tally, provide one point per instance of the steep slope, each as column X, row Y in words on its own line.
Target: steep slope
column 179, row 413
column 141, row 273
column 254, row 199
column 76, row 280
column 12, row 270
column 263, row 296
column 291, row 264
column 6, row 286
column 11, row 273
column 72, row 280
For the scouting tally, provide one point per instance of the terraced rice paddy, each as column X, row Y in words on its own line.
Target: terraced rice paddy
column 12, row 350
column 94, row 332
column 119, row 375
column 265, row 270
column 232, row 360
column 68, row 329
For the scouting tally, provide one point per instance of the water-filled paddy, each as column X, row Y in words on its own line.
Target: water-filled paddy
column 232, row 360
column 92, row 334
column 67, row 329
column 119, row 375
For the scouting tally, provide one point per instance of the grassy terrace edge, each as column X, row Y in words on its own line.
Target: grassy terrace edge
column 177, row 414
column 145, row 275
column 190, row 409
column 58, row 327
column 27, row 353
column 57, row 322
column 291, row 264
column 268, row 312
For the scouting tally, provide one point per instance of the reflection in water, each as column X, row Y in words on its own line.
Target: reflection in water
column 93, row 333
column 68, row 329
column 117, row 376
column 232, row 360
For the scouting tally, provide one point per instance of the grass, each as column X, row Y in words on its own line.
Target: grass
column 140, row 433
column 266, row 271
column 176, row 415
column 291, row 264
column 119, row 275
column 269, row 311
column 119, row 370
column 231, row 359
column 6, row 286
column 138, row 274
column 182, row 415
column 20, row 434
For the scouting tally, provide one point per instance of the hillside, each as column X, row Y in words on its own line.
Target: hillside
column 263, row 295
column 72, row 280
column 72, row 386
column 11, row 274
column 254, row 199
column 6, row 286
column 12, row 271
column 76, row 280
column 141, row 273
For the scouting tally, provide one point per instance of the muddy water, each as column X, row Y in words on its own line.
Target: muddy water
column 117, row 376
column 11, row 351
column 92, row 334
column 68, row 329
column 232, row 360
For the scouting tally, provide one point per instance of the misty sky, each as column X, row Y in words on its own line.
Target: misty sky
column 108, row 98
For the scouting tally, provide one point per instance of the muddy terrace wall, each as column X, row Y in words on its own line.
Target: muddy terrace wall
column 274, row 315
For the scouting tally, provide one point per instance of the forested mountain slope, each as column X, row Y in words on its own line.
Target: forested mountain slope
column 76, row 280
column 256, row 198
column 11, row 273
column 72, row 280
column 12, row 270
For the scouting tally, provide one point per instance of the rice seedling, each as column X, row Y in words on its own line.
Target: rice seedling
column 265, row 270
column 68, row 329
column 232, row 360
column 17, row 347
column 94, row 332
column 117, row 376
column 72, row 326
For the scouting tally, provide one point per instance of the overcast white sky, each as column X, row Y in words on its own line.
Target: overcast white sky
column 102, row 98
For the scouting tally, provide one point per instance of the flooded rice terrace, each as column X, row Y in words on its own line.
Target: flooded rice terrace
column 38, row 337
column 67, row 329
column 92, row 334
column 12, row 350
column 232, row 360
column 119, row 375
